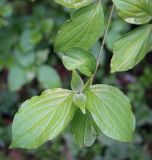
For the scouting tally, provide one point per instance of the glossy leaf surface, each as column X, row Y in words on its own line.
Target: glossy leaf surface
column 80, row 101
column 78, row 58
column 76, row 82
column 111, row 110
column 132, row 48
column 134, row 11
column 83, row 30
column 84, row 129
column 42, row 118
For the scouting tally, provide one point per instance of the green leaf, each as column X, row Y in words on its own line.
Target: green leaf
column 111, row 110
column 47, row 25
column 76, row 82
column 84, row 29
column 131, row 49
column 116, row 31
column 48, row 77
column 6, row 11
column 80, row 101
column 134, row 11
column 84, row 129
column 17, row 78
column 25, row 60
column 29, row 38
column 74, row 3
column 42, row 118
column 2, row 3
column 41, row 56
column 78, row 58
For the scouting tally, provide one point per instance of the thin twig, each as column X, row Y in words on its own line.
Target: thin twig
column 102, row 45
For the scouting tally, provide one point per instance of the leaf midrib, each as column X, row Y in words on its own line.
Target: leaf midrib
column 138, row 7
column 117, row 117
column 94, row 12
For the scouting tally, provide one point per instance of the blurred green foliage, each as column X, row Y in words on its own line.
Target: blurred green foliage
column 28, row 65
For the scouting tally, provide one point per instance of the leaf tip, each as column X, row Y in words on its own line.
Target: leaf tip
column 128, row 138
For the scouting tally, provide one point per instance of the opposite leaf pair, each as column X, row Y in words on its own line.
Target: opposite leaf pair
column 103, row 107
column 43, row 117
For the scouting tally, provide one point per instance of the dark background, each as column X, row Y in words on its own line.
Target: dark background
column 28, row 65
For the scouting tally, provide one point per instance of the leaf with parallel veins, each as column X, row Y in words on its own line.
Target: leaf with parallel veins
column 132, row 48
column 111, row 110
column 84, row 129
column 42, row 118
column 83, row 30
column 80, row 59
column 134, row 11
